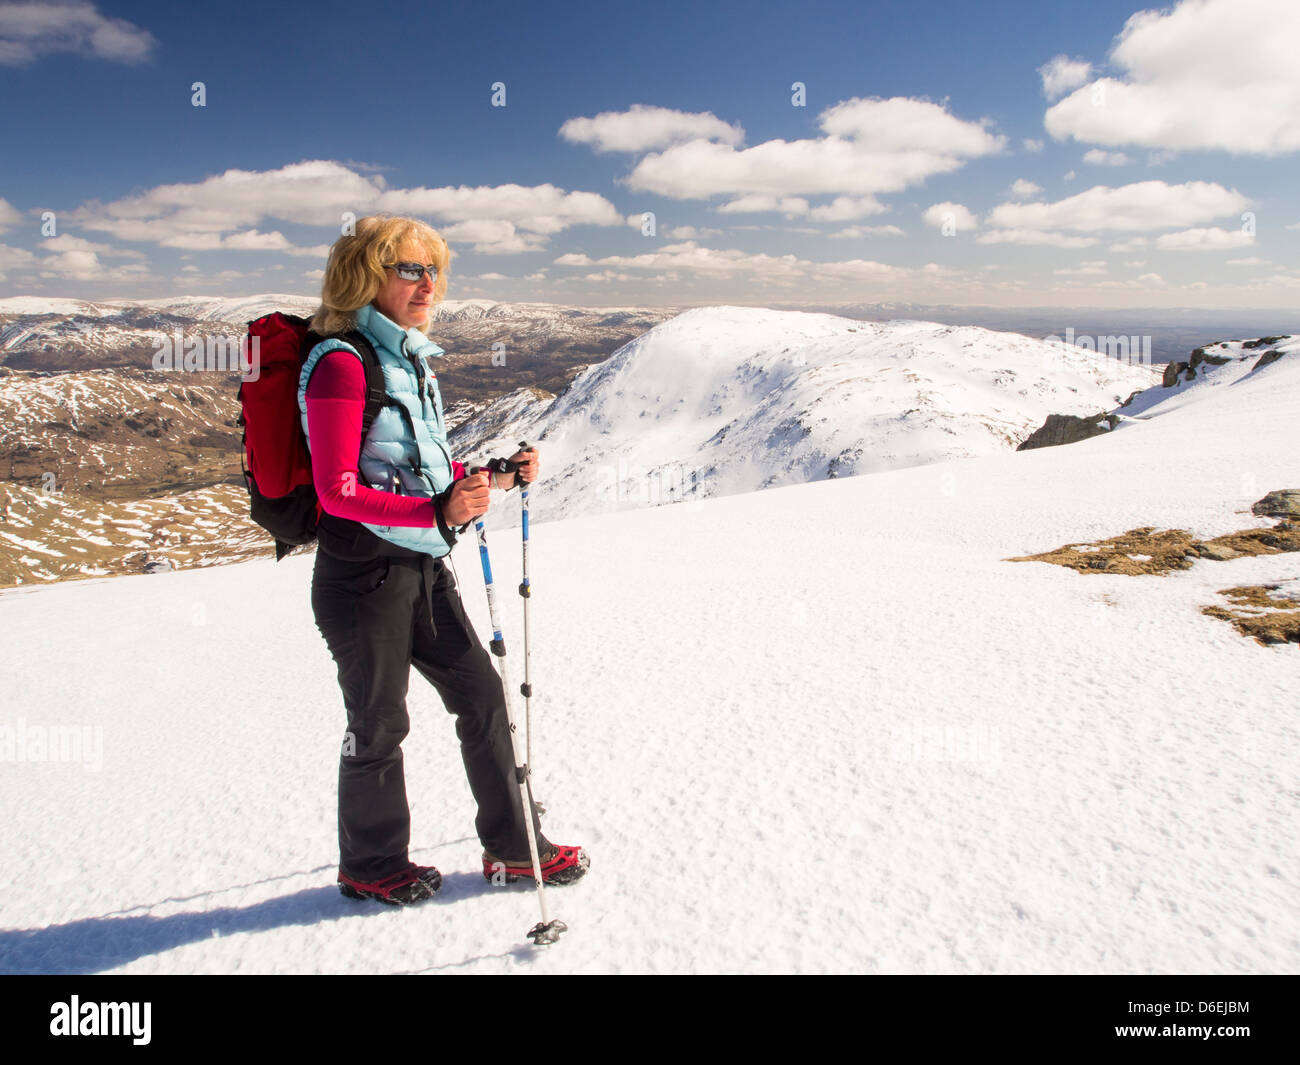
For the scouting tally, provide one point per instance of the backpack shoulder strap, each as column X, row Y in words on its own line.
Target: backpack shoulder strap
column 376, row 389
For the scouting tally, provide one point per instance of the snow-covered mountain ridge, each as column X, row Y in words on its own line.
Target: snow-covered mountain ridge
column 721, row 400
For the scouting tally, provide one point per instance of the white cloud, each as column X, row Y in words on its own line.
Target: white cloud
column 790, row 206
column 841, row 209
column 65, row 242
column 315, row 251
column 539, row 210
column 31, row 30
column 1032, row 145
column 1100, row 157
column 1068, row 176
column 606, row 276
column 955, row 215
column 69, row 258
column 870, row 146
column 642, row 128
column 1023, row 189
column 252, row 240
column 689, row 232
column 1208, row 239
column 10, row 216
column 15, row 259
column 866, row 232
column 1034, row 236
column 78, row 265
column 1061, row 74
column 1123, row 247
column 846, row 209
column 224, row 211
column 1088, row 268
column 691, row 259
column 1253, row 260
column 1150, row 279
column 493, row 236
column 317, row 192
column 1140, row 207
column 1204, row 74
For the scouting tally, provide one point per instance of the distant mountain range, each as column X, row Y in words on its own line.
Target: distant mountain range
column 111, row 466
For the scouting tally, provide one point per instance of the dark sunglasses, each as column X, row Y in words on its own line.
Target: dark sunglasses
column 413, row 271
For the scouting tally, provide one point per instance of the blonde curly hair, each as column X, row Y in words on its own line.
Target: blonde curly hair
column 354, row 273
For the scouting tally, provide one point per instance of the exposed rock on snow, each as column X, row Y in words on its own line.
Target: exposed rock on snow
column 1067, row 428
column 1218, row 364
column 1283, row 504
column 1147, row 550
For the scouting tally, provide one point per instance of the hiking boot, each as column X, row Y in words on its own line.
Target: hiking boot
column 560, row 865
column 413, row 884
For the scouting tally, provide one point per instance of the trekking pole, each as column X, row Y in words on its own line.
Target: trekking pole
column 548, row 931
column 525, row 591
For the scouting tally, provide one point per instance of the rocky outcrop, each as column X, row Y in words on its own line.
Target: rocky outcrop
column 1284, row 504
column 1065, row 429
column 1186, row 371
column 1068, row 428
column 1266, row 358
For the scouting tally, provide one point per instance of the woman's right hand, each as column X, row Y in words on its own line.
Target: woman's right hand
column 467, row 499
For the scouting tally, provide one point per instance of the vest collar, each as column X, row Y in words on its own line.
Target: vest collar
column 391, row 335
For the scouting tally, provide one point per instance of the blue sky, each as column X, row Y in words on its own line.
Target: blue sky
column 1016, row 154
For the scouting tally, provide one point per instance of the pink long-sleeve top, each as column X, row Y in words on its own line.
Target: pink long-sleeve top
column 336, row 400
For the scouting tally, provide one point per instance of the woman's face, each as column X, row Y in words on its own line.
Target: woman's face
column 408, row 303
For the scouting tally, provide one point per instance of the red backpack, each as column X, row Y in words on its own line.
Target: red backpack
column 276, row 462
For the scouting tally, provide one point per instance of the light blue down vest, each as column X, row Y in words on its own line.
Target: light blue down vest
column 406, row 449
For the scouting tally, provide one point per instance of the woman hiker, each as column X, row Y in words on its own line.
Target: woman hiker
column 381, row 593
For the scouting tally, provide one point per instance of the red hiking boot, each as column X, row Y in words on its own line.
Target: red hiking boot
column 560, row 865
column 413, row 884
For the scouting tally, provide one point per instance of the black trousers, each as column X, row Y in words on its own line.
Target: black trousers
column 379, row 618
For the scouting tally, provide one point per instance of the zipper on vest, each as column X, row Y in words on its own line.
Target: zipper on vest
column 422, row 377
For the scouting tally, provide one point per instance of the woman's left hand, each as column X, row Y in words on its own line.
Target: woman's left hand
column 529, row 465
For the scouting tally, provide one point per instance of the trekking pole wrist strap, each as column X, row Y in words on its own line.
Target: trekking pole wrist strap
column 439, row 509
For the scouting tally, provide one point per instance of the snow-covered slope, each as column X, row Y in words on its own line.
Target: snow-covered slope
column 1223, row 365
column 720, row 400
column 820, row 728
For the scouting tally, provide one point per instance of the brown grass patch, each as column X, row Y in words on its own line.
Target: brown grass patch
column 1148, row 550
column 1257, row 614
